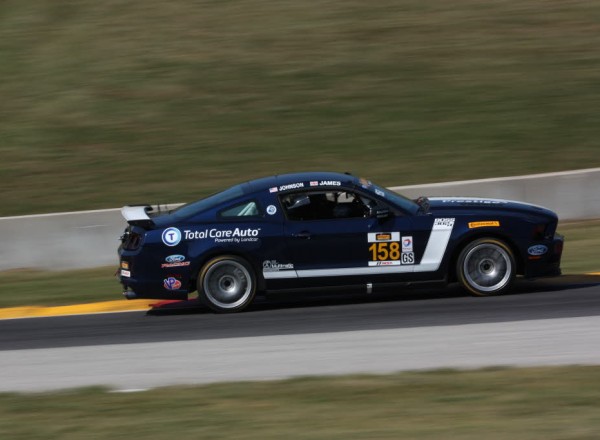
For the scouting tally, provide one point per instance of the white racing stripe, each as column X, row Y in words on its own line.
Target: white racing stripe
column 432, row 258
column 272, row 275
column 348, row 271
column 436, row 246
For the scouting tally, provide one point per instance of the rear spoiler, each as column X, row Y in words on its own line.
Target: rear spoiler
column 137, row 215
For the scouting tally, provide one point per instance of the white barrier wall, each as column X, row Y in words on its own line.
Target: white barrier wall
column 573, row 195
column 61, row 241
column 69, row 240
column 90, row 238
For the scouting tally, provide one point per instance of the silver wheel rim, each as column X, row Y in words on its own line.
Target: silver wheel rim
column 227, row 284
column 487, row 267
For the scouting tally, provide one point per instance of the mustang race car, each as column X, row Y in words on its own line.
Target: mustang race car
column 321, row 230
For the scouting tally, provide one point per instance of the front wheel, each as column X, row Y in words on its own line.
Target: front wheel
column 486, row 267
column 226, row 284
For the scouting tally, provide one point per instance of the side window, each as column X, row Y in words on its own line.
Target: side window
column 248, row 208
column 325, row 205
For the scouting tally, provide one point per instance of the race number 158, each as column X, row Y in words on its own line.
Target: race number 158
column 385, row 251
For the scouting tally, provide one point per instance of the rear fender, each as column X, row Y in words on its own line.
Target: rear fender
column 200, row 262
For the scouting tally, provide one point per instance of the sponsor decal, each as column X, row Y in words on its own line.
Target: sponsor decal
column 172, row 283
column 180, row 264
column 275, row 266
column 443, row 222
column 171, row 236
column 538, row 249
column 236, row 235
column 330, row 183
column 475, row 201
column 125, row 273
column 407, row 244
column 271, row 209
column 385, row 252
column 175, row 261
column 273, row 190
column 375, row 237
column 291, row 186
column 314, row 183
column 408, row 258
column 125, row 265
column 384, row 263
column 379, row 192
column 486, row 224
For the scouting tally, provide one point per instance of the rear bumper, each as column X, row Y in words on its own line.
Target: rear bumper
column 139, row 281
column 136, row 289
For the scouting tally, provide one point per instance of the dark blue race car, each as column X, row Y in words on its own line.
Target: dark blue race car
column 322, row 230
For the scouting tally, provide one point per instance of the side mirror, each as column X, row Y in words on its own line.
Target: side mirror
column 379, row 212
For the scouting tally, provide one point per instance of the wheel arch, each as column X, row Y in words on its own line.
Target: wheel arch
column 205, row 258
column 464, row 241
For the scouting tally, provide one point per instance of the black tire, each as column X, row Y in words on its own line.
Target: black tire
column 226, row 284
column 486, row 267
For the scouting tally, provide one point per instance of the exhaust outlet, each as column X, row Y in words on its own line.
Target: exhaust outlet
column 129, row 294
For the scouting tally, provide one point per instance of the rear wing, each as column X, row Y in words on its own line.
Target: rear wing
column 137, row 215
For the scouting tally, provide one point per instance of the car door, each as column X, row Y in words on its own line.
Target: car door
column 332, row 233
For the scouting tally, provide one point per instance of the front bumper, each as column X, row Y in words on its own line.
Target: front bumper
column 548, row 264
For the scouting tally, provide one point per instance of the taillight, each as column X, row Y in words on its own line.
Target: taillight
column 131, row 240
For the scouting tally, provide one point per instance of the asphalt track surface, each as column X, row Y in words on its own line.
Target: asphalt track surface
column 551, row 322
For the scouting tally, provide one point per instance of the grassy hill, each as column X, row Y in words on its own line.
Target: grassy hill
column 553, row 403
column 108, row 103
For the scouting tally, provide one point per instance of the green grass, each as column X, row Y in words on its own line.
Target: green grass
column 37, row 288
column 32, row 287
column 491, row 404
column 108, row 103
column 582, row 244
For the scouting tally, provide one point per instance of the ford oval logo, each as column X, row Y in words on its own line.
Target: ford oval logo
column 538, row 249
column 174, row 258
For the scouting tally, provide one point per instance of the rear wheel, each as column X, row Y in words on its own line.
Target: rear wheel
column 226, row 284
column 486, row 267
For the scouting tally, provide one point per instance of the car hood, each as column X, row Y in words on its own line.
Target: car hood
column 448, row 205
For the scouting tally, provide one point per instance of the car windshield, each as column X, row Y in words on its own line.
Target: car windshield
column 397, row 199
column 208, row 202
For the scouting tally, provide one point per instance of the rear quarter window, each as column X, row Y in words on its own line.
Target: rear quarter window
column 248, row 208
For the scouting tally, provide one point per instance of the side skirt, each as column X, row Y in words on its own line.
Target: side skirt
column 368, row 288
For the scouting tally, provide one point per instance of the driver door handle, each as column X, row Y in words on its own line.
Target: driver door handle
column 303, row 235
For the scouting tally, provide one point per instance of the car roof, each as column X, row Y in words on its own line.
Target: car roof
column 289, row 179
